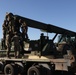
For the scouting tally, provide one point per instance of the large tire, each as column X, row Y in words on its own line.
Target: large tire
column 1, row 66
column 33, row 71
column 8, row 70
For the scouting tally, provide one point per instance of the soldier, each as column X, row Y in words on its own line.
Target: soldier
column 17, row 24
column 10, row 20
column 8, row 43
column 21, row 46
column 4, row 26
column 24, row 30
column 16, row 41
column 42, row 40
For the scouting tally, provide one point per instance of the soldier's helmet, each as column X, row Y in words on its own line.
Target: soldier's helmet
column 42, row 34
column 10, row 14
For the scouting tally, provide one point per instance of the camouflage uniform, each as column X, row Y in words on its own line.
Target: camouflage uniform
column 16, row 40
column 24, row 30
column 4, row 26
column 8, row 43
column 17, row 25
column 10, row 23
column 21, row 46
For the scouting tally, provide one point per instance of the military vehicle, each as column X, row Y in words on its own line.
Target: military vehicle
column 42, row 56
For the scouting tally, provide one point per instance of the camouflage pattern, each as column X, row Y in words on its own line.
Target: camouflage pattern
column 12, row 24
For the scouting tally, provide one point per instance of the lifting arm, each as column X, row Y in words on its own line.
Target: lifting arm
column 47, row 27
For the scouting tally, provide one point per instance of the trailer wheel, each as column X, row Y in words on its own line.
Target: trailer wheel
column 9, row 70
column 33, row 71
column 1, row 66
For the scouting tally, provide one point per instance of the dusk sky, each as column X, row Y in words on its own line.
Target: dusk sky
column 60, row 13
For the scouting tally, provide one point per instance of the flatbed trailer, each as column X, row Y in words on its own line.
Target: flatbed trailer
column 31, row 64
column 21, row 65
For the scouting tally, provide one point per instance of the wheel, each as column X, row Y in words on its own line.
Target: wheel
column 33, row 71
column 1, row 67
column 8, row 70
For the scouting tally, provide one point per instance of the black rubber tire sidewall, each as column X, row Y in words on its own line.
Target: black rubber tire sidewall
column 10, row 67
column 33, row 68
